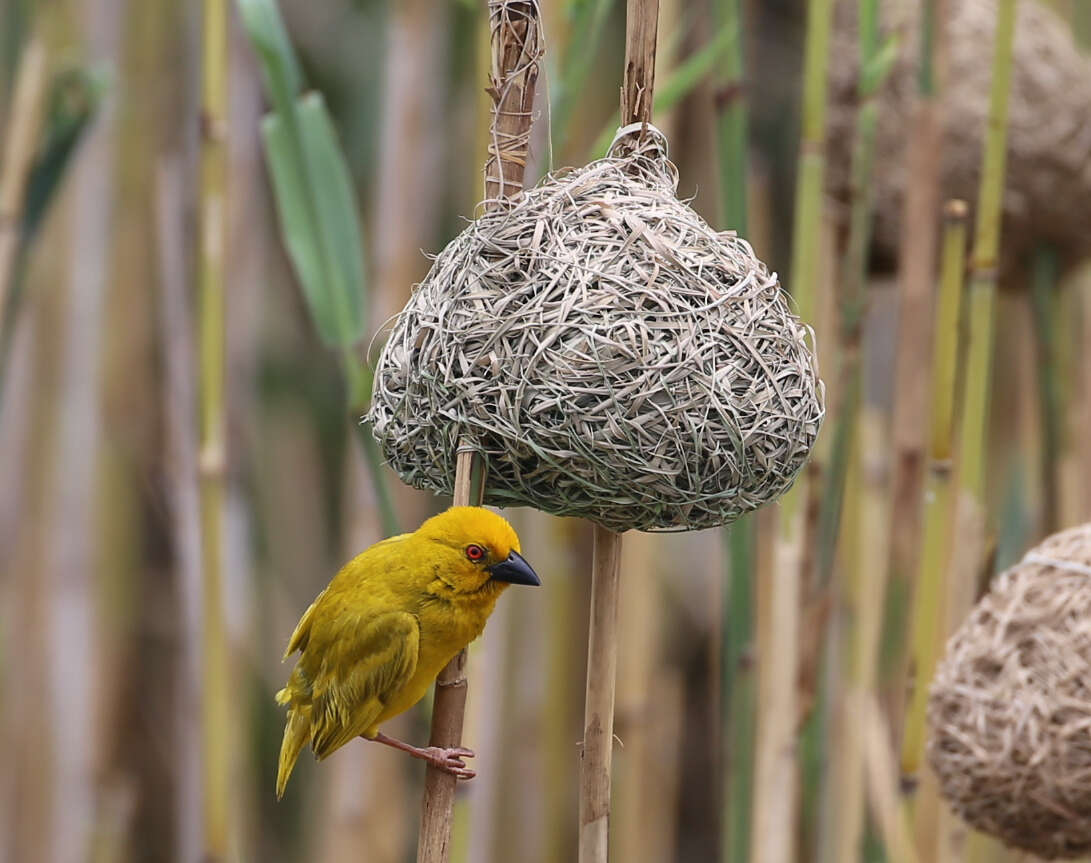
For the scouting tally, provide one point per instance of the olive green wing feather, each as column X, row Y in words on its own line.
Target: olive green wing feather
column 362, row 663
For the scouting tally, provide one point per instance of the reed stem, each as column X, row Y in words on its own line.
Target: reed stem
column 916, row 276
column 1048, row 337
column 598, row 732
column 862, row 603
column 739, row 695
column 929, row 599
column 853, row 299
column 983, row 263
column 968, row 558
column 516, row 51
column 778, row 606
column 637, row 91
column 216, row 712
column 732, row 119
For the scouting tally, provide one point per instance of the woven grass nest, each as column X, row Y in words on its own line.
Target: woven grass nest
column 1048, row 182
column 1010, row 706
column 609, row 354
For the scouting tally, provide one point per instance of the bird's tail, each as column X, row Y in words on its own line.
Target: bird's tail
column 296, row 731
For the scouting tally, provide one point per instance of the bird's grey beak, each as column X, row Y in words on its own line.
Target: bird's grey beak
column 515, row 570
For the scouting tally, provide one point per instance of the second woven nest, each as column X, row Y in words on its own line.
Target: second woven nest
column 1010, row 706
column 1048, row 182
column 609, row 354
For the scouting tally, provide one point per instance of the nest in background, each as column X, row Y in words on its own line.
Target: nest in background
column 1010, row 707
column 609, row 354
column 1048, row 182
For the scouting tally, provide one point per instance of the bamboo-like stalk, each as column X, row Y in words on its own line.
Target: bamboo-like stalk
column 179, row 408
column 78, row 674
column 928, row 614
column 882, row 782
column 778, row 601
column 740, row 693
column 983, row 262
column 598, row 732
column 969, row 555
column 732, row 120
column 917, row 257
column 852, row 301
column 853, row 283
column 1048, row 334
column 638, row 664
column 865, row 494
column 516, row 44
column 737, row 669
column 23, row 127
column 638, row 87
column 1081, row 25
column 216, row 710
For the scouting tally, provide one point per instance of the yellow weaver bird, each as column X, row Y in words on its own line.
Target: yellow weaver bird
column 374, row 640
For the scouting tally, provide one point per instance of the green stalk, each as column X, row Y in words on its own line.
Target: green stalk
column 732, row 120
column 216, row 713
column 811, row 171
column 739, row 692
column 928, row 606
column 874, row 64
column 983, row 262
column 1049, row 333
column 775, row 768
column 916, row 281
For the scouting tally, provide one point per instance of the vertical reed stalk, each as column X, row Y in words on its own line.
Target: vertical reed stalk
column 740, row 692
column 23, row 126
column 1081, row 24
column 732, row 119
column 983, row 263
column 929, row 601
column 179, row 411
column 739, row 695
column 865, row 549
column 77, row 673
column 969, row 557
column 917, row 257
column 1048, row 333
column 216, row 711
column 638, row 88
column 778, row 602
column 517, row 49
column 853, row 282
column 852, row 301
column 598, row 733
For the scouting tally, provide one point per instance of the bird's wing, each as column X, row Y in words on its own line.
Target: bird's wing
column 302, row 633
column 365, row 662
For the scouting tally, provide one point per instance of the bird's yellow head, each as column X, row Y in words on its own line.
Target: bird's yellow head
column 481, row 549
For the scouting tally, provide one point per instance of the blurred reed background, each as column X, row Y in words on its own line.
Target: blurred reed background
column 138, row 664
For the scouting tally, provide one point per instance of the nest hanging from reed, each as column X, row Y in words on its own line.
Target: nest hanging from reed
column 609, row 354
column 1010, row 707
column 1049, row 130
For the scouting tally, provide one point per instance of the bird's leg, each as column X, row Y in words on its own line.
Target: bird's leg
column 447, row 760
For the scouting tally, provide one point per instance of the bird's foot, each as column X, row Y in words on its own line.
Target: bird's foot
column 449, row 760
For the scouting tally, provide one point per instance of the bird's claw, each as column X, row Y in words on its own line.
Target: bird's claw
column 450, row 761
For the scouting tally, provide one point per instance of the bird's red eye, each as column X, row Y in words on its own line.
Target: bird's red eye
column 475, row 553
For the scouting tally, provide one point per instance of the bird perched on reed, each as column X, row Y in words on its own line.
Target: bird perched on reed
column 374, row 640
